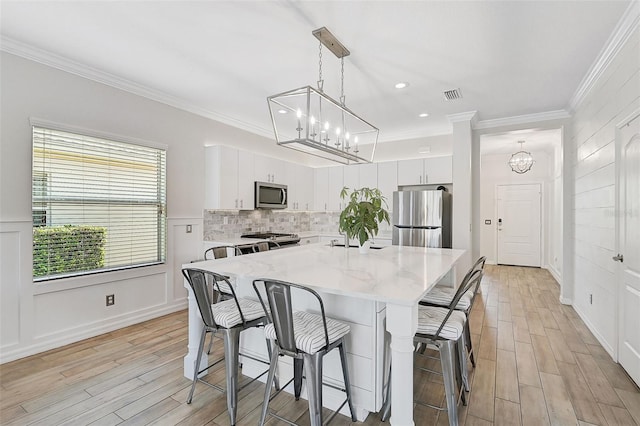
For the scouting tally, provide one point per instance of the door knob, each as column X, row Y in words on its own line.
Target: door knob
column 618, row 258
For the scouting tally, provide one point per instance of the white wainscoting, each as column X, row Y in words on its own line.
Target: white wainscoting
column 36, row 318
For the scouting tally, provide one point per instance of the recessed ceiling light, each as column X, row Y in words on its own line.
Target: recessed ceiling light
column 282, row 111
column 423, row 115
column 401, row 85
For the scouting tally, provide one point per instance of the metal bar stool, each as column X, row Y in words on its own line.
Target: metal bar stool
column 220, row 252
column 443, row 328
column 265, row 246
column 442, row 296
column 307, row 338
column 230, row 317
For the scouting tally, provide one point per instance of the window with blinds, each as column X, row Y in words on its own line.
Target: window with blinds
column 98, row 204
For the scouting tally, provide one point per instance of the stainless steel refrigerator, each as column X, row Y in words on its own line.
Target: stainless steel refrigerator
column 422, row 218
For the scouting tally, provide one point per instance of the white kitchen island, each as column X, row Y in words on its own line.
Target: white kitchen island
column 369, row 291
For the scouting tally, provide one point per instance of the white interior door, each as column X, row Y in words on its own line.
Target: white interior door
column 518, row 224
column 628, row 145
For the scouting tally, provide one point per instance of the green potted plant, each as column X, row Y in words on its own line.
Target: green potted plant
column 364, row 211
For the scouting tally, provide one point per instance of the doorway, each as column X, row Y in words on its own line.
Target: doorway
column 519, row 224
column 628, row 226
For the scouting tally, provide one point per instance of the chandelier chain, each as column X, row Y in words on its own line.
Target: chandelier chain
column 342, row 98
column 320, row 81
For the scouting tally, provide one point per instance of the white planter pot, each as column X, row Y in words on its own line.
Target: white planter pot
column 364, row 248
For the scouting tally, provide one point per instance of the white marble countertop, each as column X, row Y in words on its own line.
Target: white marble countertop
column 395, row 274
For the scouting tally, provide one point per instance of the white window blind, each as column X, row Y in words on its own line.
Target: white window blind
column 98, row 204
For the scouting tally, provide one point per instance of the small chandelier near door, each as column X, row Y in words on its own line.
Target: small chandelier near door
column 307, row 120
column 521, row 161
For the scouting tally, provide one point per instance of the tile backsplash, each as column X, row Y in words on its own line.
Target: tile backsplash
column 219, row 224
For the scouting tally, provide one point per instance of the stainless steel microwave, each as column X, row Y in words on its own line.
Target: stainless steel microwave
column 271, row 196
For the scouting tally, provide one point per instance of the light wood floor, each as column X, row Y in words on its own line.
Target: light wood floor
column 537, row 365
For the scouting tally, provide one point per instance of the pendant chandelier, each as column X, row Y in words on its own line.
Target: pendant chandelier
column 307, row 120
column 521, row 161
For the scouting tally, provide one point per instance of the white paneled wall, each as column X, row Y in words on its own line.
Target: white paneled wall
column 614, row 96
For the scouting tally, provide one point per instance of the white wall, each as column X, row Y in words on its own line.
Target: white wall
column 615, row 94
column 495, row 171
column 43, row 316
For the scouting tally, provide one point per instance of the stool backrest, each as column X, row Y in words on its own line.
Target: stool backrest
column 469, row 281
column 220, row 252
column 279, row 310
column 265, row 246
column 206, row 286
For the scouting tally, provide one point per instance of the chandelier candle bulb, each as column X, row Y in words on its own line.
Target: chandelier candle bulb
column 299, row 128
column 312, row 125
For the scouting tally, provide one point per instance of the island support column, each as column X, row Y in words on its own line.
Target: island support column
column 402, row 323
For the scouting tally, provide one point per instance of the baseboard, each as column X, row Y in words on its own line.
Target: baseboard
column 597, row 335
column 555, row 274
column 88, row 332
column 566, row 301
column 490, row 262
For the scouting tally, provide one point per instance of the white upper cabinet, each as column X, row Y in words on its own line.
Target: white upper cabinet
column 300, row 184
column 388, row 180
column 268, row 169
column 368, row 175
column 336, row 182
column 425, row 171
column 410, row 172
column 350, row 177
column 321, row 188
column 438, row 169
column 328, row 182
column 228, row 178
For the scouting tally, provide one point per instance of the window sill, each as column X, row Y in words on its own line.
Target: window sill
column 70, row 283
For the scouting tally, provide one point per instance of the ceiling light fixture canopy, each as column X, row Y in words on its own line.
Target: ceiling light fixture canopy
column 320, row 125
column 521, row 161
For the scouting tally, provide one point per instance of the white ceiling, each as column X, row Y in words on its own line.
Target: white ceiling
column 221, row 59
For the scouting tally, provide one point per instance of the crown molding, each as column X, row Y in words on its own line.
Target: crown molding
column 62, row 63
column 560, row 114
column 625, row 27
column 471, row 116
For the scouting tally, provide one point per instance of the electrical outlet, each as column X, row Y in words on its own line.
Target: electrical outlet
column 225, row 220
column 189, row 229
column 111, row 299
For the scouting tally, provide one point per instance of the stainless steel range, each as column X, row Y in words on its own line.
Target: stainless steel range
column 281, row 239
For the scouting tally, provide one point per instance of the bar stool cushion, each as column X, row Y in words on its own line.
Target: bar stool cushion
column 309, row 331
column 226, row 314
column 442, row 296
column 430, row 318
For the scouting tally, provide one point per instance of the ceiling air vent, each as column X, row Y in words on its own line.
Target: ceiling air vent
column 452, row 95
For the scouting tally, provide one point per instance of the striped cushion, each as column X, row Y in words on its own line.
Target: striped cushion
column 442, row 296
column 309, row 332
column 430, row 318
column 226, row 314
